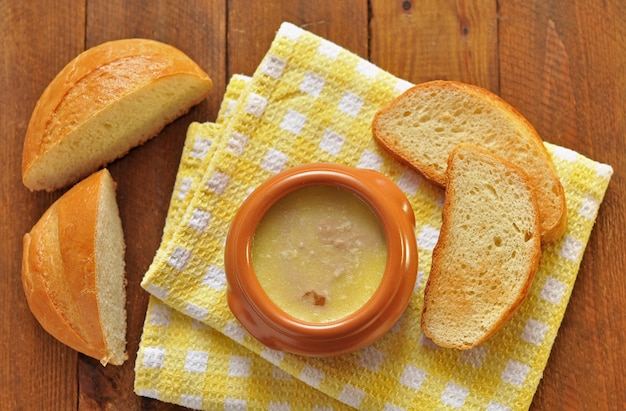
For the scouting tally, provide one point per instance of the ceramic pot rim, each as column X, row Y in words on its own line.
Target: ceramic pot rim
column 393, row 212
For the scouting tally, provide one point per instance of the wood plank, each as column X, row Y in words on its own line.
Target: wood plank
column 146, row 175
column 40, row 373
column 450, row 40
column 563, row 68
column 253, row 25
column 562, row 64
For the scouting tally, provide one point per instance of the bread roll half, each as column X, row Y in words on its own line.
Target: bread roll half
column 107, row 100
column 73, row 270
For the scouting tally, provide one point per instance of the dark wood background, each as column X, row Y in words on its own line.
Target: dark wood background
column 561, row 63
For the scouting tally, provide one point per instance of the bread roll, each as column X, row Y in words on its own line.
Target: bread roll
column 487, row 253
column 73, row 270
column 106, row 101
column 425, row 123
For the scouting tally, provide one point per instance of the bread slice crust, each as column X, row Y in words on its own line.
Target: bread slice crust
column 62, row 272
column 487, row 253
column 107, row 100
column 424, row 124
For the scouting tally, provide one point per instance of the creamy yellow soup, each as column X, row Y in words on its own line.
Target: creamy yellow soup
column 319, row 253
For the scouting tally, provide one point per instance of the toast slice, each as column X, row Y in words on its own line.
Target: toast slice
column 424, row 124
column 487, row 253
column 73, row 270
column 109, row 99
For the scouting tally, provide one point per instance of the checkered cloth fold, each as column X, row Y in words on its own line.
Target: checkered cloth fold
column 313, row 101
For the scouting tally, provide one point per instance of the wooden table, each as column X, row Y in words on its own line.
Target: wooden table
column 561, row 63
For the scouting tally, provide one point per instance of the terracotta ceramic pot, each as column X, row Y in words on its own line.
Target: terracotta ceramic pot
column 276, row 329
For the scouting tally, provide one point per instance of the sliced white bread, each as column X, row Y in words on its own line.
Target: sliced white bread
column 107, row 100
column 424, row 124
column 73, row 270
column 487, row 253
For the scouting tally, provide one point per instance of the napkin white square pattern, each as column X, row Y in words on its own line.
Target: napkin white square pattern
column 310, row 101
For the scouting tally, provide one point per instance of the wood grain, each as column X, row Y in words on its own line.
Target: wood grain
column 36, row 369
column 427, row 40
column 252, row 26
column 562, row 64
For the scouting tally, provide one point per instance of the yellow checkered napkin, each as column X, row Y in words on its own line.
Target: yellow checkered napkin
column 312, row 101
column 199, row 367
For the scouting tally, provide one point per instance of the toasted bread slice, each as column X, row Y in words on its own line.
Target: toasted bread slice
column 73, row 270
column 424, row 124
column 109, row 99
column 487, row 253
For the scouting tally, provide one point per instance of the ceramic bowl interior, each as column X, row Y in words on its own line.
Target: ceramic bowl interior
column 272, row 326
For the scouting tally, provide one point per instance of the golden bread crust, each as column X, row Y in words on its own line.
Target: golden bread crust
column 94, row 81
column 59, row 269
column 474, row 287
